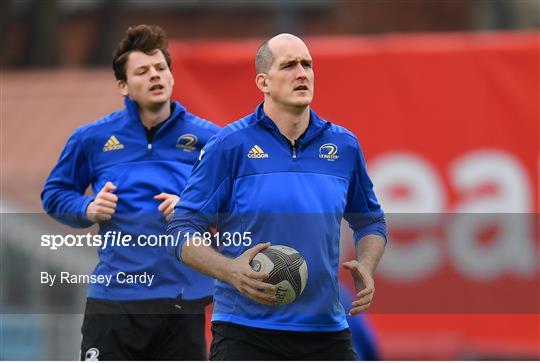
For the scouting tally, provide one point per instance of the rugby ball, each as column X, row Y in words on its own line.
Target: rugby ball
column 286, row 268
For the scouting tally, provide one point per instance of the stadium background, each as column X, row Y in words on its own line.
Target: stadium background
column 443, row 96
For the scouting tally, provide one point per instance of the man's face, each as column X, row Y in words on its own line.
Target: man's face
column 290, row 79
column 149, row 79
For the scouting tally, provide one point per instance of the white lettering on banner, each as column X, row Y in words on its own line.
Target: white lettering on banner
column 424, row 195
column 424, row 187
column 492, row 167
column 511, row 252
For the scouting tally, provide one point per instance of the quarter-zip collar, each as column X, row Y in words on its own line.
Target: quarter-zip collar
column 315, row 127
column 133, row 111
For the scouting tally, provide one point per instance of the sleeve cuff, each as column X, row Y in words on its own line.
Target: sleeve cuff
column 178, row 249
column 180, row 240
column 85, row 222
column 372, row 232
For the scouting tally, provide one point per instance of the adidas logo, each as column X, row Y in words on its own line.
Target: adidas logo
column 112, row 144
column 257, row 153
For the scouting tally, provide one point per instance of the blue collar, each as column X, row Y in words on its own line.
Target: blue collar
column 316, row 124
column 133, row 110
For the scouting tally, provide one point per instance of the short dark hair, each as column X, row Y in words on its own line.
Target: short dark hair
column 143, row 38
column 264, row 58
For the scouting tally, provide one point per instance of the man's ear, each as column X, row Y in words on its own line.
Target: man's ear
column 122, row 87
column 261, row 80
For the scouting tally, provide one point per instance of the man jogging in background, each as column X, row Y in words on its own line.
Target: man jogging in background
column 282, row 175
column 137, row 160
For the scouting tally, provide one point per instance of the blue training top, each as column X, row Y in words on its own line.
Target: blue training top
column 115, row 148
column 250, row 179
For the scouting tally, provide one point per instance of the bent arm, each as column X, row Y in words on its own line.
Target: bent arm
column 63, row 193
column 205, row 259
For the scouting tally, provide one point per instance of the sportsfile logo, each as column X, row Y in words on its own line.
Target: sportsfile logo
column 187, row 142
column 257, row 153
column 112, row 144
column 329, row 152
